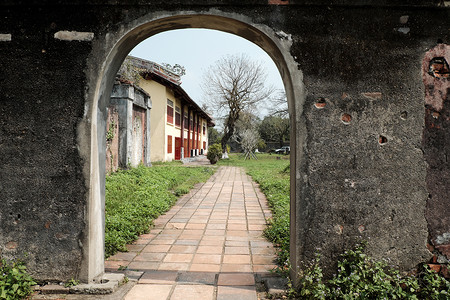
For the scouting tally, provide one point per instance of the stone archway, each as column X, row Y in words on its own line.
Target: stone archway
column 91, row 132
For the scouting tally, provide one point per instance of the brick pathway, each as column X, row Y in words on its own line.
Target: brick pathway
column 208, row 246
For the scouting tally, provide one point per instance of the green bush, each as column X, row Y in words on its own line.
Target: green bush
column 214, row 153
column 15, row 282
column 135, row 197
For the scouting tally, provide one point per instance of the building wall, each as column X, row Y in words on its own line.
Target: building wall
column 158, row 95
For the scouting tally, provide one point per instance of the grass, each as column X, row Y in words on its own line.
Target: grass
column 272, row 175
column 135, row 197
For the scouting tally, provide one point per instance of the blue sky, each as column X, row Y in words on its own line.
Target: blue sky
column 196, row 50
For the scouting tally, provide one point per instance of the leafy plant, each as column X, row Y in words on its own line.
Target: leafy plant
column 214, row 153
column 360, row 277
column 71, row 282
column 15, row 282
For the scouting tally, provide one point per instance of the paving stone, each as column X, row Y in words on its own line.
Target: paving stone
column 236, row 259
column 210, row 249
column 173, row 266
column 263, row 260
column 197, row 278
column 186, row 249
column 178, row 257
column 149, row 292
column 236, row 293
column 236, row 279
column 236, row 268
column 149, row 256
column 143, row 265
column 159, row 277
column 193, row 292
column 213, row 268
column 156, row 248
column 207, row 259
column 237, row 250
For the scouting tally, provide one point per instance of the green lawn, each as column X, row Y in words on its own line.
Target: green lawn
column 135, row 197
column 272, row 174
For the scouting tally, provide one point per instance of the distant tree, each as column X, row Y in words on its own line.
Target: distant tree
column 246, row 131
column 234, row 84
column 249, row 142
column 214, row 136
column 275, row 129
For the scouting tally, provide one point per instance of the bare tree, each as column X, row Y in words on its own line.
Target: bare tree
column 249, row 142
column 233, row 84
column 278, row 106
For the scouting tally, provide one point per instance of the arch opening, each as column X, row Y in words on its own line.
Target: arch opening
column 277, row 48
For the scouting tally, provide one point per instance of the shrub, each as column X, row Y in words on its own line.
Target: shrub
column 15, row 282
column 360, row 277
column 214, row 153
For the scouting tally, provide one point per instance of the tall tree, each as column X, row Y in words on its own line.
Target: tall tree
column 233, row 84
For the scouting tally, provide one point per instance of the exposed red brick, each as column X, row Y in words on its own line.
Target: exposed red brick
column 435, row 267
column 436, row 89
column 361, row 228
column 11, row 245
column 320, row 105
column 346, row 118
column 382, row 140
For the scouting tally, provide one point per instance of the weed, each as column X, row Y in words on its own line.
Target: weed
column 360, row 277
column 15, row 282
column 71, row 282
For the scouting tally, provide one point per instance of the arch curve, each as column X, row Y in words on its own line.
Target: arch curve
column 115, row 47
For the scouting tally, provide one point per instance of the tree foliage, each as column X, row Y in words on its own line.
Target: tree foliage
column 275, row 129
column 234, row 84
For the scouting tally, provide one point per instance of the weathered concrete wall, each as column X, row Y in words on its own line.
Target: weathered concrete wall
column 365, row 163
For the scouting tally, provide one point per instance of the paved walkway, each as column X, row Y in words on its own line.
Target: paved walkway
column 209, row 246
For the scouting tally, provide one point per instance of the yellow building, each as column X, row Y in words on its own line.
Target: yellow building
column 178, row 126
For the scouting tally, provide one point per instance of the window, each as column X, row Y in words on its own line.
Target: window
column 204, row 128
column 177, row 116
column 186, row 121
column 169, row 144
column 192, row 124
column 169, row 111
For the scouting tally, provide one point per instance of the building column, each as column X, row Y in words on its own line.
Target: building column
column 182, row 132
column 189, row 132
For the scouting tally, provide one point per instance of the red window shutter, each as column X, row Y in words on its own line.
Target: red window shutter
column 169, row 114
column 177, row 119
column 169, row 144
column 204, row 145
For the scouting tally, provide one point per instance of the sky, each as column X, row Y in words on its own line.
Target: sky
column 196, row 50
